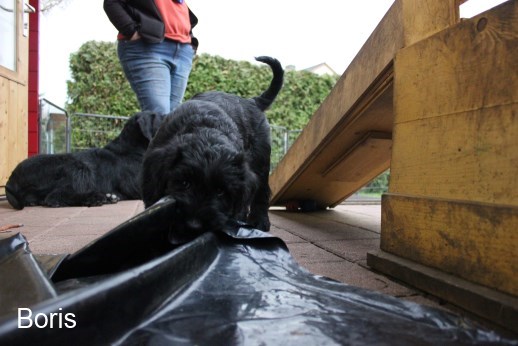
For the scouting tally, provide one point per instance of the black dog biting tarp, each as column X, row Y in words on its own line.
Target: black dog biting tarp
column 237, row 287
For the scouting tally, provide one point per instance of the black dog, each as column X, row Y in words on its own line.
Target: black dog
column 87, row 178
column 212, row 155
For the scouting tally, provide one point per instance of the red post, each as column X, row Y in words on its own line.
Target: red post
column 33, row 109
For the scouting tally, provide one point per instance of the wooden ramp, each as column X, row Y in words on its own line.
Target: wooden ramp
column 436, row 99
column 348, row 142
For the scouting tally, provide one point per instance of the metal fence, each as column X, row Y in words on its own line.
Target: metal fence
column 94, row 130
column 282, row 139
column 62, row 132
column 54, row 128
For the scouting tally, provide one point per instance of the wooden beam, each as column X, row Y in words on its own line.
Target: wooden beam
column 498, row 308
column 4, row 130
column 353, row 165
column 422, row 19
column 456, row 100
column 475, row 241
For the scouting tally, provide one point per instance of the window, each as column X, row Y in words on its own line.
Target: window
column 8, row 34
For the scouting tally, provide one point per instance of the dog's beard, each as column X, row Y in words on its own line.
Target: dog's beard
column 211, row 188
column 192, row 218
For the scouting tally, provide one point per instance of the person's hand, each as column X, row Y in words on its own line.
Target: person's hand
column 136, row 36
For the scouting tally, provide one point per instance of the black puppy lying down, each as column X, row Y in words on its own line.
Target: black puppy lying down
column 212, row 155
column 88, row 178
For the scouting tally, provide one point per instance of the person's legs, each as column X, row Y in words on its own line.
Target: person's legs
column 147, row 73
column 182, row 64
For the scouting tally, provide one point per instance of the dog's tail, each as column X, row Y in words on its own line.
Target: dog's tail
column 266, row 98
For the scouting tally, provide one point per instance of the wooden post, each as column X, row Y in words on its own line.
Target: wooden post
column 453, row 196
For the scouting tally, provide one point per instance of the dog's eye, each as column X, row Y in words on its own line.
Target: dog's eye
column 185, row 184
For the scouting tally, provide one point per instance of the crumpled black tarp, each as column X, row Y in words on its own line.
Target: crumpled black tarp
column 238, row 287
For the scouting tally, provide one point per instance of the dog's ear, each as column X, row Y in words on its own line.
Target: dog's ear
column 152, row 176
column 156, row 166
column 249, row 181
column 149, row 123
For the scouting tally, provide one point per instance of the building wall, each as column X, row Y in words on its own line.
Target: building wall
column 14, row 103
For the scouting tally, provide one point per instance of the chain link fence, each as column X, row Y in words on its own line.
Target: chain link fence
column 282, row 139
column 94, row 130
column 54, row 128
column 61, row 132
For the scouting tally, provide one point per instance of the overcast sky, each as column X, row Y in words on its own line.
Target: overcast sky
column 302, row 33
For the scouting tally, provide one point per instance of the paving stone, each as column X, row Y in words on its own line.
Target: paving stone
column 314, row 227
column 95, row 221
column 286, row 236
column 353, row 250
column 121, row 210
column 305, row 253
column 355, row 275
column 60, row 244
column 81, row 229
column 28, row 232
column 38, row 216
column 362, row 216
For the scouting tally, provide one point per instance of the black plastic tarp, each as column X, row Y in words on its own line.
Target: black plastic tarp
column 135, row 286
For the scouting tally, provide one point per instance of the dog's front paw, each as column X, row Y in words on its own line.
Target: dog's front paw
column 112, row 198
column 98, row 199
column 262, row 224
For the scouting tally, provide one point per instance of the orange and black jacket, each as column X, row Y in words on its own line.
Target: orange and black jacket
column 143, row 16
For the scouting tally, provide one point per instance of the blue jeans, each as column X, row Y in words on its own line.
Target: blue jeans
column 157, row 72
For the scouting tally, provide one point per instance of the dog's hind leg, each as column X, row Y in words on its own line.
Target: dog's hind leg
column 260, row 159
column 258, row 215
